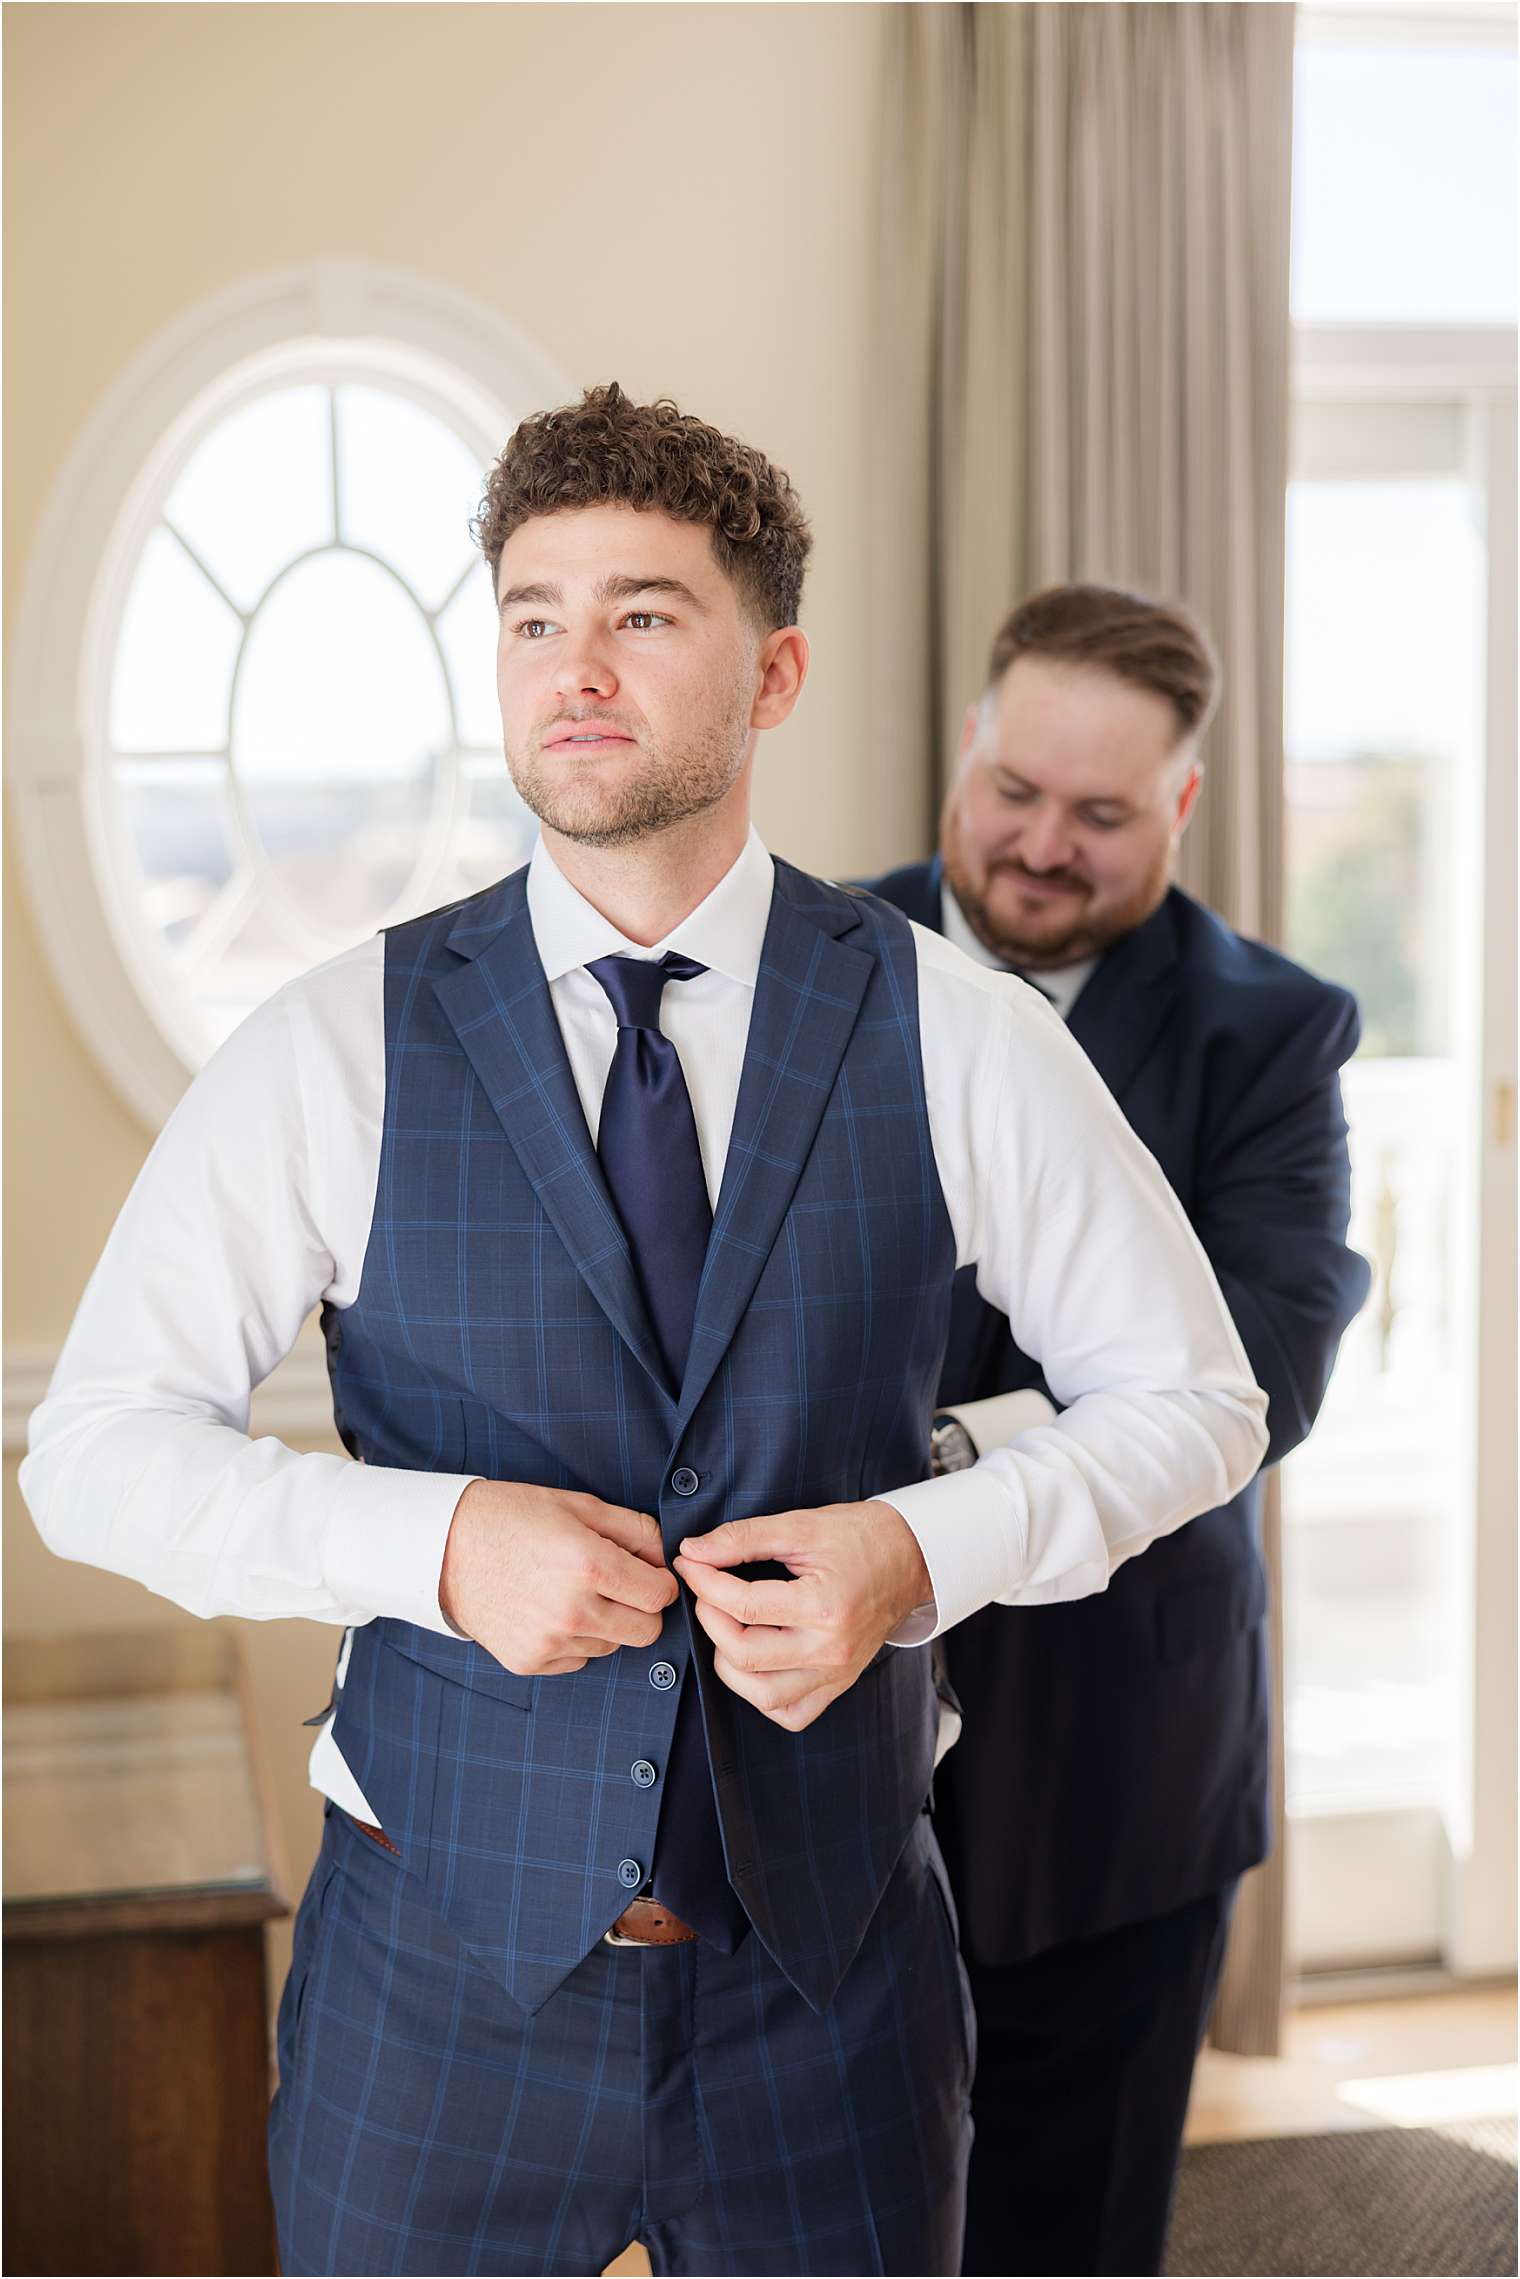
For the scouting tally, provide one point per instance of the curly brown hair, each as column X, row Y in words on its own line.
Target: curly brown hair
column 608, row 451
column 1157, row 645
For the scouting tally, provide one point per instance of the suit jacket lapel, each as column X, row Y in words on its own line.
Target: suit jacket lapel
column 498, row 1002
column 1128, row 996
column 916, row 892
column 807, row 999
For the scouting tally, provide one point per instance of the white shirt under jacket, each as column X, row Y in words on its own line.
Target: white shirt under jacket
column 255, row 1206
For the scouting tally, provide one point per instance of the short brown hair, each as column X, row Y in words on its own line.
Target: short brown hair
column 1153, row 644
column 607, row 451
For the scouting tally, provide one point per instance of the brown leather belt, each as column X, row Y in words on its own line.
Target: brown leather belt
column 643, row 1922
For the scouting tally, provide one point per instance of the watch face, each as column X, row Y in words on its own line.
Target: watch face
column 951, row 1447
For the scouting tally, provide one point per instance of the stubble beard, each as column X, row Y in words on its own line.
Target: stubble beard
column 667, row 789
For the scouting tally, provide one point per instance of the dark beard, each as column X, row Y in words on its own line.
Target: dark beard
column 1087, row 937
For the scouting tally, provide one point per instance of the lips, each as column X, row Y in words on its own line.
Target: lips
column 1046, row 886
column 586, row 739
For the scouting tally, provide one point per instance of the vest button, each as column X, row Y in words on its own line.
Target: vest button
column 684, row 1480
column 643, row 1773
column 630, row 1874
column 663, row 1675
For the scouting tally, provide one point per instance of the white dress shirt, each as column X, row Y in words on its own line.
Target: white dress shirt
column 1061, row 984
column 255, row 1206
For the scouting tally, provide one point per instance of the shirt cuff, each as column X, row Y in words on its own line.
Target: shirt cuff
column 972, row 1537
column 386, row 1539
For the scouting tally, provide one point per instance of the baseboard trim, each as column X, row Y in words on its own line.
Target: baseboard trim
column 1391, row 1982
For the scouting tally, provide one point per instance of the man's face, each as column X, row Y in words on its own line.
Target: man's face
column 1060, row 828
column 628, row 671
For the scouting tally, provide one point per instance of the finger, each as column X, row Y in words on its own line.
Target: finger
column 767, row 1689
column 757, row 1648
column 617, row 1624
column 571, row 1653
column 785, row 1605
column 617, row 1574
column 738, row 1540
column 796, row 1716
column 635, row 1531
column 782, row 1695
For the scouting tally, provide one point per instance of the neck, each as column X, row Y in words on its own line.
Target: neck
column 648, row 886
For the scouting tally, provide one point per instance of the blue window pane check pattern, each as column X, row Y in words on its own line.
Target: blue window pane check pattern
column 500, row 1328
column 673, row 2095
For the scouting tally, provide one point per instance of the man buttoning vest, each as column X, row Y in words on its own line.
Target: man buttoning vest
column 633, row 1190
column 1095, row 1876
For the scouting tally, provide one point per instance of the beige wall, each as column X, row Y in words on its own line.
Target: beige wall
column 677, row 197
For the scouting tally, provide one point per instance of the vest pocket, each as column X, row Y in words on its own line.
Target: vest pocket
column 462, row 1662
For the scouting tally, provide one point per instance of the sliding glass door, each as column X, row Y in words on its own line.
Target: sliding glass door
column 1398, row 1513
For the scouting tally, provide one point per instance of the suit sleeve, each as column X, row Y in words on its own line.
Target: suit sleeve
column 1271, row 1209
column 1077, row 1238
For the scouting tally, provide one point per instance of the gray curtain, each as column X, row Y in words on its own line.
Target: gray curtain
column 1082, row 372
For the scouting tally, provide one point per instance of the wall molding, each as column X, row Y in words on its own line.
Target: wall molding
column 294, row 1403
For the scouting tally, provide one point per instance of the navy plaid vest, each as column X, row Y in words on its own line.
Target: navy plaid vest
column 499, row 1330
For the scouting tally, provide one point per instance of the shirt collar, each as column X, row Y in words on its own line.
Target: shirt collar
column 1061, row 984
column 725, row 932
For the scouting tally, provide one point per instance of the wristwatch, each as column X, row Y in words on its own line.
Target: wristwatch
column 951, row 1447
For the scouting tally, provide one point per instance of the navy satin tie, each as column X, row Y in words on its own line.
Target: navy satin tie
column 652, row 1163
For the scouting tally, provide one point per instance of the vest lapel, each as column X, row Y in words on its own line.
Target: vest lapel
column 499, row 1005
column 1117, row 1015
column 807, row 997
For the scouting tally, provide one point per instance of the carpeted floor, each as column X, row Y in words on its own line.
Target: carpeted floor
column 1424, row 2202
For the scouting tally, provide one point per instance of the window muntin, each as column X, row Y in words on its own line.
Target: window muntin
column 302, row 741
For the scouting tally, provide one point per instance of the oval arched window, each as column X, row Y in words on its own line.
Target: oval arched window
column 268, row 691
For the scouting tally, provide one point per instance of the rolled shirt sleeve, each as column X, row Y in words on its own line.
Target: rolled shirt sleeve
column 1076, row 1236
column 253, row 1208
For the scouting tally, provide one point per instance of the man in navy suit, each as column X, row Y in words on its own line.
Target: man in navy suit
column 1112, row 1781
column 632, row 1190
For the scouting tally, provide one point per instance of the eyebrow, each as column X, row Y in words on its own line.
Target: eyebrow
column 609, row 589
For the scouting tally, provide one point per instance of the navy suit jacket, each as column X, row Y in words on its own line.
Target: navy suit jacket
column 1115, row 1759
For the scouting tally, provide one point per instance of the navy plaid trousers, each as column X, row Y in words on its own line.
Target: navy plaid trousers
column 692, row 2100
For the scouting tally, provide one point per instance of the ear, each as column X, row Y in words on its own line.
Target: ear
column 969, row 727
column 783, row 664
column 1187, row 800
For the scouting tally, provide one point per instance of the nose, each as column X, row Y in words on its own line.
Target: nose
column 584, row 668
column 1044, row 843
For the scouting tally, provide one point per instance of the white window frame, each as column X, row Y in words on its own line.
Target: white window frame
column 1452, row 1869
column 1370, row 1885
column 1442, row 1882
column 330, row 318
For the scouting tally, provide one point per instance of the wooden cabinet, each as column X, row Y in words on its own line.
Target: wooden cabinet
column 141, row 1865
